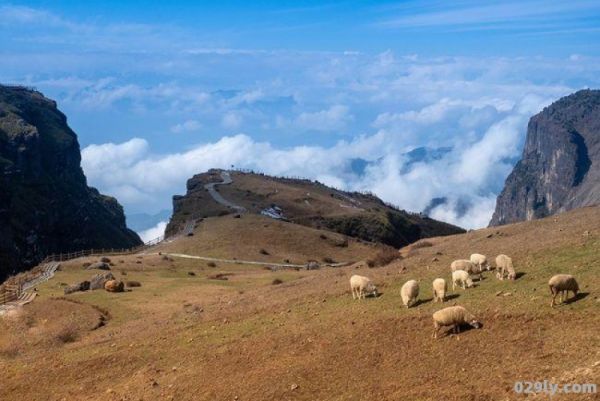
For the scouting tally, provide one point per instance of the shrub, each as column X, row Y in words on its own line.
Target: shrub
column 327, row 259
column 104, row 259
column 263, row 252
column 211, row 264
column 86, row 264
column 421, row 244
column 66, row 333
column 133, row 284
column 277, row 281
column 383, row 257
column 323, row 236
column 191, row 273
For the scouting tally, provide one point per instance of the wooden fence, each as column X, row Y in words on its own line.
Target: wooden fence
column 10, row 293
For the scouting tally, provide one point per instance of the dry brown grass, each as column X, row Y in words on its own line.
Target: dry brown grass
column 201, row 339
column 384, row 257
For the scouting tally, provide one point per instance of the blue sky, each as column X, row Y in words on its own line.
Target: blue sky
column 158, row 91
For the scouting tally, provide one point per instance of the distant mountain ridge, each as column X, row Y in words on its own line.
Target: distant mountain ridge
column 45, row 204
column 560, row 166
column 308, row 203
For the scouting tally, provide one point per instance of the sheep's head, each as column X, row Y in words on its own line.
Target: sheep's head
column 488, row 267
column 469, row 282
column 372, row 289
column 475, row 323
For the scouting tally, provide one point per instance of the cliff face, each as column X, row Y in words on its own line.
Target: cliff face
column 560, row 166
column 45, row 204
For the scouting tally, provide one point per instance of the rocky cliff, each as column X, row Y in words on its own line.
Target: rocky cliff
column 45, row 204
column 560, row 166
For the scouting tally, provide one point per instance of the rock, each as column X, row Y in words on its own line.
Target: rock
column 294, row 386
column 99, row 266
column 560, row 166
column 498, row 293
column 97, row 281
column 82, row 286
column 114, row 286
column 40, row 165
column 131, row 284
column 312, row 265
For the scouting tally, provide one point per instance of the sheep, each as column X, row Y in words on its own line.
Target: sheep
column 504, row 266
column 409, row 292
column 562, row 283
column 462, row 279
column 480, row 261
column 439, row 289
column 361, row 285
column 453, row 316
column 466, row 265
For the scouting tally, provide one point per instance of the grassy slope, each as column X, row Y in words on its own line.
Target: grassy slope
column 193, row 338
column 311, row 204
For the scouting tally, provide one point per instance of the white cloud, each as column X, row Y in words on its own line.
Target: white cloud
column 334, row 118
column 154, row 232
column 232, row 120
column 186, row 126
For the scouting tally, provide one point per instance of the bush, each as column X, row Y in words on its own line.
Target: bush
column 277, row 281
column 421, row 244
column 263, row 252
column 133, row 284
column 67, row 333
column 384, row 257
column 323, row 236
column 104, row 259
column 191, row 273
column 327, row 259
column 86, row 264
column 211, row 264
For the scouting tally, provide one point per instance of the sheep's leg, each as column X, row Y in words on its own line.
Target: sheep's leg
column 554, row 293
column 436, row 329
column 453, row 285
column 353, row 293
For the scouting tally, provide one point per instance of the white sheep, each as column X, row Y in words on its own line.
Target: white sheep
column 462, row 279
column 361, row 285
column 480, row 261
column 453, row 316
column 466, row 265
column 504, row 265
column 562, row 284
column 409, row 292
column 439, row 290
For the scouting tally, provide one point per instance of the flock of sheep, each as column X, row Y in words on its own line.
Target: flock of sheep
column 462, row 271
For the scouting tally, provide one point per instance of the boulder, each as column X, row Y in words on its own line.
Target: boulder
column 97, row 282
column 98, row 265
column 312, row 265
column 114, row 286
column 82, row 286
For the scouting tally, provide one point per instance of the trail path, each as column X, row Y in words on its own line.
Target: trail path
column 226, row 177
column 27, row 296
column 247, row 262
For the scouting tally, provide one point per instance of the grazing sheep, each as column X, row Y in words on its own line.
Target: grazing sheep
column 439, row 290
column 480, row 261
column 504, row 265
column 466, row 265
column 453, row 316
column 360, row 285
column 409, row 292
column 462, row 279
column 562, row 283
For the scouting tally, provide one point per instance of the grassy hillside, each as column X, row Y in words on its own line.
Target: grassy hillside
column 195, row 337
column 307, row 203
